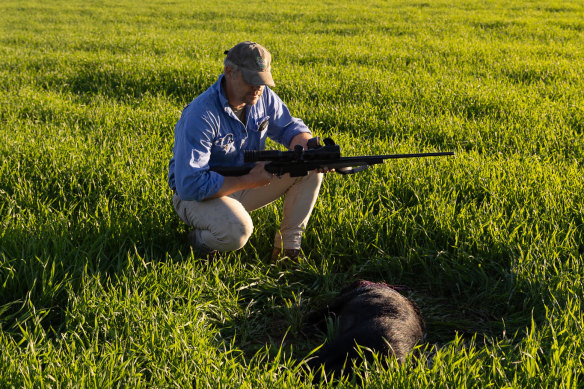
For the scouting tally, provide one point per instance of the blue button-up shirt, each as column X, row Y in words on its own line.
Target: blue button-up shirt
column 208, row 134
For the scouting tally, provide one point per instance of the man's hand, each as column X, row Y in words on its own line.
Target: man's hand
column 302, row 140
column 259, row 176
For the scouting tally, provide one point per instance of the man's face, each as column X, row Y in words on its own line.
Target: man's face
column 241, row 92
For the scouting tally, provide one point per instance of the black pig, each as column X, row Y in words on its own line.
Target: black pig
column 373, row 315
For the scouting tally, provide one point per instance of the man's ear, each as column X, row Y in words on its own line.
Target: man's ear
column 229, row 72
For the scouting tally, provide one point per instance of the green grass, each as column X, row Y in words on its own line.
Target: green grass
column 98, row 289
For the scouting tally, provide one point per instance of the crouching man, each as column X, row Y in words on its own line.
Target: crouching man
column 237, row 113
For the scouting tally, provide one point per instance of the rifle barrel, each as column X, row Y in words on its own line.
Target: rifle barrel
column 396, row 156
column 415, row 155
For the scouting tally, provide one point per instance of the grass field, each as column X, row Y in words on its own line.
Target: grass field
column 98, row 287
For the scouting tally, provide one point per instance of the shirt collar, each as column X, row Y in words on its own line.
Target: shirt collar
column 222, row 97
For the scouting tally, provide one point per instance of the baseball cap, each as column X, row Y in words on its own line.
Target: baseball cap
column 254, row 61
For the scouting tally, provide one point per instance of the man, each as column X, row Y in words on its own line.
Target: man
column 237, row 113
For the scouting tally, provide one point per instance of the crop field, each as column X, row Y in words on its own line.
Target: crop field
column 98, row 287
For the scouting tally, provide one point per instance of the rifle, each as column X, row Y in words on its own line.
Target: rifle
column 299, row 161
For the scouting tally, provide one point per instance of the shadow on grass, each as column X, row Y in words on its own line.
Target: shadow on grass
column 459, row 293
column 41, row 266
column 274, row 312
column 460, row 296
column 109, row 79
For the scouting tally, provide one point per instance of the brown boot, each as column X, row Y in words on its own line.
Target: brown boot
column 201, row 252
column 291, row 254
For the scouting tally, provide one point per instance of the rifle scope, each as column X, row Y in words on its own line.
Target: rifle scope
column 323, row 153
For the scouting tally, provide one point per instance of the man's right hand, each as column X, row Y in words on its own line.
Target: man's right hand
column 259, row 176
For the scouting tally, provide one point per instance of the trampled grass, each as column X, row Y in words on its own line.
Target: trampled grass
column 97, row 287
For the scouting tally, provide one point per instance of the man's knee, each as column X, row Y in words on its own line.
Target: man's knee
column 235, row 235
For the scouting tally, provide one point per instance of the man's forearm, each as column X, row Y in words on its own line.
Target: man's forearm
column 258, row 176
column 231, row 185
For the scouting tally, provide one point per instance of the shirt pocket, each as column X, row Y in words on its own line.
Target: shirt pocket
column 262, row 124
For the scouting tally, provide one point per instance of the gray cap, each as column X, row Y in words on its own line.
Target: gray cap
column 254, row 61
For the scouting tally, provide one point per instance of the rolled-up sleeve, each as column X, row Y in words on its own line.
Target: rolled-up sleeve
column 192, row 152
column 283, row 127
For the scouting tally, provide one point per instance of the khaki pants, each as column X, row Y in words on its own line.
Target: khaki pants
column 224, row 223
